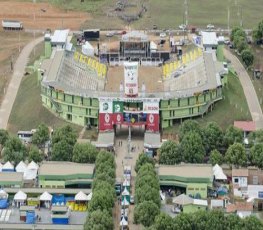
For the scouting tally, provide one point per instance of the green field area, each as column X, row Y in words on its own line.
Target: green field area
column 169, row 13
column 28, row 112
column 232, row 107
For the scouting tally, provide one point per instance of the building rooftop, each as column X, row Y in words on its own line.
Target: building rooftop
column 209, row 38
column 240, row 206
column 187, row 170
column 65, row 168
column 11, row 177
column 246, row 126
column 240, row 172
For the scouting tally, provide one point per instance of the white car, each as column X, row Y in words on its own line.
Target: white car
column 132, row 200
column 182, row 27
column 162, row 35
column 210, row 26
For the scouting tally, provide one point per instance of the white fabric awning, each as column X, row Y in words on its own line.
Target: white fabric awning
column 33, row 165
column 125, row 202
column 81, row 196
column 3, row 194
column 125, row 192
column 126, row 183
column 182, row 200
column 123, row 222
column 8, row 165
column 218, row 173
column 21, row 167
column 20, row 195
column 1, row 166
column 30, row 174
column 89, row 196
column 45, row 196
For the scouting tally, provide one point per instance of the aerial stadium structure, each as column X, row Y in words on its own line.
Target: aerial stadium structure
column 135, row 86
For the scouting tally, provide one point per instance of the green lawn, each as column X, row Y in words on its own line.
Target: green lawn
column 232, row 107
column 28, row 112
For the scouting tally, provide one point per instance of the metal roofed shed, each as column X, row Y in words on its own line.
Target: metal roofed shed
column 59, row 38
column 209, row 40
column 12, row 25
column 105, row 140
column 11, row 179
column 246, row 126
column 152, row 140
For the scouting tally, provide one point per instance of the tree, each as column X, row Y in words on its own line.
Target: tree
column 103, row 176
column 4, row 136
column 251, row 223
column 240, row 43
column 65, row 133
column 183, row 222
column 163, row 221
column 99, row 220
column 189, row 126
column 233, row 135
column 145, row 213
column 256, row 155
column 212, row 136
column 105, row 186
column 62, row 151
column 35, row 155
column 104, row 156
column 41, row 135
column 147, row 179
column 192, row 148
column 231, row 222
column 236, row 155
column 237, row 31
column 247, row 57
column 84, row 153
column 147, row 193
column 256, row 136
column 169, row 153
column 142, row 159
column 14, row 150
column 257, row 35
column 216, row 157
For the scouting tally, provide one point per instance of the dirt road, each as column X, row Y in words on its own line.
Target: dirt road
column 15, row 81
column 250, row 93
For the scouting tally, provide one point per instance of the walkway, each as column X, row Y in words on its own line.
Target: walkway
column 19, row 69
column 250, row 93
column 122, row 158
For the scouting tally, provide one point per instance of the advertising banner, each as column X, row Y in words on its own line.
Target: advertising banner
column 131, row 78
column 117, row 107
column 105, row 121
column 106, row 106
column 117, row 118
column 151, row 107
column 152, row 123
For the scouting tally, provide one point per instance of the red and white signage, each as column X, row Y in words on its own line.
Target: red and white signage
column 117, row 118
column 131, row 79
column 151, row 107
column 105, row 121
column 152, row 123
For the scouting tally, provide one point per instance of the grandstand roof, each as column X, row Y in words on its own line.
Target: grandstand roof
column 134, row 36
column 59, row 37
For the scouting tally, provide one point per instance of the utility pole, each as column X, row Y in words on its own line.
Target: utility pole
column 186, row 12
column 228, row 19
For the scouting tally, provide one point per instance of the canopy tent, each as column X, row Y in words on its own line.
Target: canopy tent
column 87, row 49
column 218, row 173
column 45, row 196
column 58, row 199
column 125, row 192
column 126, row 183
column 30, row 217
column 33, row 165
column 3, row 194
column 222, row 191
column 125, row 202
column 89, row 196
column 123, row 222
column 1, row 166
column 30, row 174
column 21, row 167
column 216, row 168
column 8, row 167
column 182, row 200
column 20, row 196
column 81, row 196
column 3, row 203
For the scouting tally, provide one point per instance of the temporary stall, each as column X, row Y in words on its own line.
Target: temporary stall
column 89, row 196
column 30, row 217
column 8, row 167
column 123, row 223
column 1, row 166
column 23, row 210
column 33, row 165
column 3, row 194
column 81, row 196
column 3, row 199
column 222, row 191
column 60, row 214
column 218, row 173
column 125, row 194
column 182, row 200
column 20, row 198
column 45, row 199
column 125, row 202
column 81, row 200
column 30, row 174
column 21, row 167
column 58, row 199
column 126, row 184
column 33, row 201
column 88, row 49
column 153, row 46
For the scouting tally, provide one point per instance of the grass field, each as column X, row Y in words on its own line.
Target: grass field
column 28, row 112
column 169, row 13
column 232, row 107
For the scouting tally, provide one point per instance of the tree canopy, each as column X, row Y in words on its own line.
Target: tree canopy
column 65, row 133
column 62, row 151
column 142, row 159
column 256, row 155
column 216, row 157
column 236, row 155
column 35, row 155
column 233, row 135
column 247, row 57
column 189, row 126
column 4, row 136
column 41, row 135
column 169, row 153
column 99, row 220
column 84, row 153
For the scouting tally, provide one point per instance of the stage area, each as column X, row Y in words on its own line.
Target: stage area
column 150, row 76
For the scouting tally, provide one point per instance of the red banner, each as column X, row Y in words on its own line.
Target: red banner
column 117, row 118
column 105, row 121
column 152, row 122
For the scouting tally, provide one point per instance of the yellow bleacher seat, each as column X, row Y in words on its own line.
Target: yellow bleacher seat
column 187, row 57
column 184, row 59
column 171, row 67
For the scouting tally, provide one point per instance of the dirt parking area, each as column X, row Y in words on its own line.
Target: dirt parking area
column 41, row 15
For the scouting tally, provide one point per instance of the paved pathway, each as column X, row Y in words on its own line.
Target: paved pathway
column 19, row 69
column 250, row 93
column 121, row 159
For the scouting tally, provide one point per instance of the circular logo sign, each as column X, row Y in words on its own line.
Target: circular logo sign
column 105, row 106
column 107, row 118
column 118, row 117
column 151, row 118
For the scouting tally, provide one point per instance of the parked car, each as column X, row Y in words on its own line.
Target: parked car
column 132, row 200
column 155, row 27
column 162, row 35
column 110, row 34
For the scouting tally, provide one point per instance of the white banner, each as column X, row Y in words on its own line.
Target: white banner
column 150, row 107
column 105, row 106
column 131, row 78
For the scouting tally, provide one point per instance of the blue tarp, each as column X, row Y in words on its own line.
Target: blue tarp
column 30, row 217
column 58, row 199
column 69, row 198
column 222, row 191
column 3, row 203
column 8, row 170
column 60, row 220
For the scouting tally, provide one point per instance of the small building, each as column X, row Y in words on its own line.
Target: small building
column 239, row 178
column 11, row 179
column 59, row 38
column 60, row 214
column 59, row 174
column 12, row 25
column 242, row 209
column 194, row 179
column 246, row 126
column 209, row 40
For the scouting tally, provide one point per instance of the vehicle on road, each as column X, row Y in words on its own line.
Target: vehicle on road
column 132, row 200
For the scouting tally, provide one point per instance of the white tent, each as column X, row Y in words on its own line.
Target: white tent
column 3, row 194
column 216, row 168
column 125, row 192
column 182, row 200
column 125, row 202
column 45, row 196
column 88, row 49
column 218, row 173
column 8, row 166
column 89, row 196
column 33, row 165
column 1, row 166
column 30, row 174
column 123, row 222
column 20, row 196
column 126, row 183
column 81, row 196
column 21, row 167
column 153, row 46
